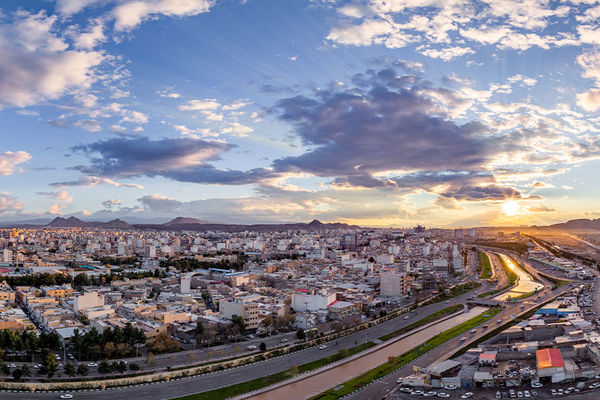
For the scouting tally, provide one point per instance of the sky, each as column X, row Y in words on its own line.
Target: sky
column 446, row 113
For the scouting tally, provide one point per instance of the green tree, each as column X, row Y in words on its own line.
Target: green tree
column 83, row 369
column 262, row 346
column 17, row 374
column 25, row 370
column 50, row 365
column 70, row 369
column 301, row 334
column 104, row 367
column 134, row 367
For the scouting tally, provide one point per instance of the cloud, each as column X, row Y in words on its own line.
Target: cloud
column 184, row 159
column 590, row 100
column 110, row 203
column 9, row 204
column 38, row 65
column 387, row 125
column 539, row 208
column 169, row 94
column 200, row 105
column 236, row 129
column 9, row 160
column 448, row 53
column 91, row 37
column 484, row 193
column 61, row 195
column 69, row 7
column 130, row 14
column 93, row 181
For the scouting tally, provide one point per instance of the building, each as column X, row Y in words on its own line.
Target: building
column 6, row 293
column 185, row 284
column 550, row 363
column 87, row 300
column 392, row 283
column 305, row 300
column 248, row 312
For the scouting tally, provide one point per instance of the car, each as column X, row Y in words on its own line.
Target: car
column 417, row 393
column 462, row 339
column 251, row 347
column 443, row 395
column 92, row 364
column 594, row 385
column 406, row 317
column 467, row 395
column 450, row 387
column 553, row 392
column 536, row 385
column 406, row 389
column 560, row 392
column 512, row 393
column 498, row 395
column 447, row 301
column 569, row 390
column 473, row 330
column 431, row 393
column 12, row 365
column 322, row 347
column 283, row 340
column 65, row 396
column 526, row 393
column 399, row 380
column 37, row 366
column 519, row 394
column 250, row 336
column 534, row 393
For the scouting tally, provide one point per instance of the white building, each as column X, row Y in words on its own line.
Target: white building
column 87, row 300
column 303, row 300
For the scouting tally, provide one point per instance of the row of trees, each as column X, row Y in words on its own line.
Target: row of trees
column 191, row 264
column 27, row 341
column 111, row 343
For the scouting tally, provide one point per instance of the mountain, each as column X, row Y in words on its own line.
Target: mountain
column 73, row 222
column 578, row 225
column 185, row 220
column 193, row 224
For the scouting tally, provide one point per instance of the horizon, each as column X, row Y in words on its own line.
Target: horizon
column 446, row 114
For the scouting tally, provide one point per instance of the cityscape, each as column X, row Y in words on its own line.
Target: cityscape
column 299, row 199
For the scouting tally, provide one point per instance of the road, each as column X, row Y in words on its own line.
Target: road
column 313, row 385
column 379, row 389
column 201, row 383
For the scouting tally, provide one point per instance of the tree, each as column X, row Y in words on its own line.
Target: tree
column 17, row 374
column 239, row 322
column 301, row 334
column 134, row 367
column 262, row 346
column 70, row 369
column 104, row 367
column 293, row 371
column 4, row 369
column 83, row 369
column 50, row 365
column 25, row 370
column 121, row 367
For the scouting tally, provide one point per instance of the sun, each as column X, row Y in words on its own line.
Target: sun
column 511, row 208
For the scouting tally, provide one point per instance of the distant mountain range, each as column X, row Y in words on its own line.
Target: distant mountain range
column 192, row 224
column 578, row 225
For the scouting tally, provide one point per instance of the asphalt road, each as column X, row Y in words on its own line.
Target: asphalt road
column 201, row 383
column 380, row 388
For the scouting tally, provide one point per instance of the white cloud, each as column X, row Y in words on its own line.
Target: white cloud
column 169, row 94
column 130, row 14
column 589, row 101
column 236, row 105
column 37, row 64
column 69, row 7
column 135, row 117
column 9, row 160
column 91, row 37
column 61, row 195
column 237, row 129
column 448, row 53
column 200, row 105
column 9, row 204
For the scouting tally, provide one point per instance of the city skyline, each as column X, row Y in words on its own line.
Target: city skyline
column 444, row 113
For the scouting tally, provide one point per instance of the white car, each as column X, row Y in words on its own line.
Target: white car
column 526, row 393
column 443, row 395
column 430, row 394
column 12, row 365
column 92, row 364
column 467, row 395
column 450, row 387
column 498, row 395
column 65, row 396
column 417, row 393
column 399, row 380
column 322, row 347
column 406, row 317
column 462, row 339
column 536, row 385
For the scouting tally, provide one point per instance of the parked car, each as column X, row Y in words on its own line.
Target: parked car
column 467, row 395
column 65, row 396
column 443, row 395
column 251, row 347
column 450, row 387
column 536, row 385
column 322, row 347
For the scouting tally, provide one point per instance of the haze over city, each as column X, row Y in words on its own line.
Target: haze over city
column 446, row 113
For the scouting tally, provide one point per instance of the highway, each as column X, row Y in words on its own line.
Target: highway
column 201, row 383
